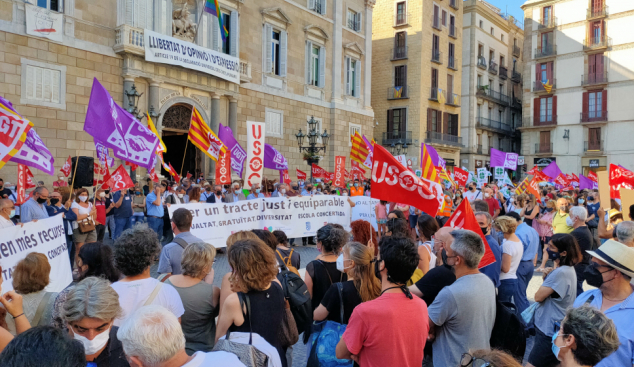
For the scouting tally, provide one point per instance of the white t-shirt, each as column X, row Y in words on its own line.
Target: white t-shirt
column 473, row 195
column 133, row 295
column 516, row 250
column 5, row 223
column 219, row 358
column 81, row 210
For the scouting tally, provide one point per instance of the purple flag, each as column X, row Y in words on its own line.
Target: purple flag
column 238, row 154
column 274, row 159
column 586, row 183
column 501, row 159
column 552, row 170
column 33, row 152
column 118, row 130
column 433, row 154
column 102, row 154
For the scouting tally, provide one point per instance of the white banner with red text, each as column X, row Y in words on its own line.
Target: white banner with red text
column 296, row 216
column 46, row 236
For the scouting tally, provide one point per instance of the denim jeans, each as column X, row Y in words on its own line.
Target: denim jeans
column 157, row 225
column 137, row 219
column 110, row 225
column 507, row 289
column 121, row 224
column 524, row 275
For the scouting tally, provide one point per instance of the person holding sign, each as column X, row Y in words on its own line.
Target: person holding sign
column 85, row 212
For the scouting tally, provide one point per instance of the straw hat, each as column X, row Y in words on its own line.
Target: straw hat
column 616, row 255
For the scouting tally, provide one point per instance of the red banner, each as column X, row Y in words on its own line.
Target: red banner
column 29, row 178
column 120, row 180
column 357, row 173
column 223, row 168
column 391, row 181
column 593, row 176
column 575, row 178
column 329, row 177
column 562, row 180
column 133, row 166
column 318, row 172
column 460, row 176
column 300, row 174
column 463, row 218
column 533, row 170
column 67, row 167
column 620, row 178
column 21, row 186
column 189, row 175
column 285, row 177
column 153, row 175
column 340, row 171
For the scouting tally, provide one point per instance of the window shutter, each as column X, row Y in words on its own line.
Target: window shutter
column 599, row 69
column 30, row 82
column 555, row 109
column 390, row 122
column 140, row 13
column 39, row 87
column 323, row 7
column 234, row 34
column 445, row 123
column 549, row 73
column 266, row 45
column 322, row 67
column 403, row 124
column 585, row 99
column 55, row 80
column 283, row 49
column 604, row 101
column 429, row 112
column 536, row 117
column 215, row 34
column 404, row 79
column 396, row 45
column 348, row 75
column 359, row 20
column 129, row 12
column 309, row 59
column 357, row 87
column 311, row 4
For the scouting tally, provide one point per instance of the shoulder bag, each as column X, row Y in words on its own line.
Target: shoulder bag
column 87, row 224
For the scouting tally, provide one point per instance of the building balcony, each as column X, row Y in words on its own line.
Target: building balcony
column 497, row 97
column 597, row 43
column 245, row 71
column 516, row 77
column 516, row 51
column 596, row 13
column 436, row 23
column 454, row 4
column 548, row 23
column 504, row 73
column 452, row 63
column 453, row 100
column 529, row 121
column 401, row 19
column 588, row 80
column 516, row 103
column 538, row 86
column 399, row 53
column 394, row 137
column 546, row 51
column 493, row 68
column 478, row 149
column 453, row 31
column 593, row 147
column 435, row 94
column 436, row 56
column 439, row 138
column 593, row 117
column 541, row 148
column 482, row 62
column 492, row 125
column 399, row 92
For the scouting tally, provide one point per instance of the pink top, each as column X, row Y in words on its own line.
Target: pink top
column 57, row 184
column 544, row 230
column 381, row 211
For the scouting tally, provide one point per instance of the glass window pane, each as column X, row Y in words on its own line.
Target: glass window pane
column 42, row 3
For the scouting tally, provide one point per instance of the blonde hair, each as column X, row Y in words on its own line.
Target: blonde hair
column 196, row 257
column 506, row 225
column 551, row 203
column 240, row 235
column 367, row 284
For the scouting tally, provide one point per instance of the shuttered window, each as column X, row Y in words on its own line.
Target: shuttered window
column 273, row 121
column 43, row 84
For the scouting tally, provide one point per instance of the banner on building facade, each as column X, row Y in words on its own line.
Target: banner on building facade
column 296, row 216
column 169, row 50
column 44, row 23
column 364, row 209
column 47, row 237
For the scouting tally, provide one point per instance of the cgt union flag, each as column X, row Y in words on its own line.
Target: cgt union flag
column 463, row 218
column 391, row 181
column 120, row 180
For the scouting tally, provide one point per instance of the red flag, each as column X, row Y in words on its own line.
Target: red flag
column 189, row 175
column 153, row 175
column 318, row 172
column 329, row 176
column 29, row 178
column 463, row 218
column 533, row 188
column 133, row 166
column 340, row 171
column 460, row 176
column 21, row 186
column 575, row 178
column 391, row 181
column 172, row 172
column 223, row 168
column 106, row 177
column 285, row 177
column 593, row 176
column 300, row 175
column 67, row 167
column 533, row 170
column 620, row 178
column 120, row 179
column 540, row 176
column 562, row 180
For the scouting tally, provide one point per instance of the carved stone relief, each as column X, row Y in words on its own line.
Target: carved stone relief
column 184, row 20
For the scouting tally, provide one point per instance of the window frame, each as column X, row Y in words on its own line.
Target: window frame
column 267, row 123
column 314, row 65
column 24, row 99
column 60, row 5
column 543, row 108
column 276, row 44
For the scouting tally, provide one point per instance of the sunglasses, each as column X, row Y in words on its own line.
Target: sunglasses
column 467, row 360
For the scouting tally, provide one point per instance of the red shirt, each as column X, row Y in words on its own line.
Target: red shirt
column 388, row 331
column 101, row 211
column 493, row 205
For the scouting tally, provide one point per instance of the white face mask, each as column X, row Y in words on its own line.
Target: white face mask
column 93, row 346
column 83, row 198
column 102, row 194
column 340, row 262
column 486, row 195
column 283, row 191
column 61, row 178
column 570, row 222
column 344, row 194
column 180, row 196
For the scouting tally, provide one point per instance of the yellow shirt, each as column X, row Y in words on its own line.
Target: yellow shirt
column 559, row 223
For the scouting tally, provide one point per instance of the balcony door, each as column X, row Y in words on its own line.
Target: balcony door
column 595, row 68
column 547, row 40
column 546, row 15
column 594, row 138
column 544, row 141
column 396, row 123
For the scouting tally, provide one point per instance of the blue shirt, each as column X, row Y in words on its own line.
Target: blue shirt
column 204, row 195
column 493, row 270
column 592, row 209
column 252, row 196
column 32, row 210
column 125, row 210
column 530, row 240
column 622, row 315
column 153, row 210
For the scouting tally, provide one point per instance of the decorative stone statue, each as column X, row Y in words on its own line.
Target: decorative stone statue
column 182, row 26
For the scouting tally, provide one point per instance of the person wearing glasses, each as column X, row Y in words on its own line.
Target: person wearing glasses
column 488, row 358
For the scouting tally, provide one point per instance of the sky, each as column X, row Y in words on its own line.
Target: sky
column 510, row 6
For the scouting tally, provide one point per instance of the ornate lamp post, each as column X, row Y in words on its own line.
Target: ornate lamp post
column 398, row 148
column 312, row 149
column 133, row 102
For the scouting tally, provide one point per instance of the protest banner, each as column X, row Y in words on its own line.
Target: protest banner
column 319, row 172
column 223, row 168
column 44, row 23
column 499, row 173
column 296, row 216
column 255, row 154
column 340, row 167
column 364, row 209
column 285, row 177
column 460, row 176
column 504, row 160
column 238, row 154
column 46, row 236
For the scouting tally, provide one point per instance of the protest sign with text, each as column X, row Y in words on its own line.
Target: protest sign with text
column 364, row 209
column 223, row 168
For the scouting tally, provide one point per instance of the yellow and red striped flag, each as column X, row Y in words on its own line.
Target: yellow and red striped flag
column 161, row 148
column 522, row 187
column 359, row 150
column 428, row 168
column 445, row 176
column 203, row 138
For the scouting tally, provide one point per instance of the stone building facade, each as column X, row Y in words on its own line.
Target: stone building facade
column 417, row 70
column 298, row 58
column 491, row 83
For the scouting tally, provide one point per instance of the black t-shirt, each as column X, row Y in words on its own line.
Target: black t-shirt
column 323, row 274
column 112, row 355
column 584, row 239
column 434, row 281
column 4, row 192
column 108, row 202
column 332, row 302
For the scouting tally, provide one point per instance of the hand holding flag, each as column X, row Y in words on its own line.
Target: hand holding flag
column 464, row 218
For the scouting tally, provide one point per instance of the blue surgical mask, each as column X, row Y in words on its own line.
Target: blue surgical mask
column 257, row 191
column 581, row 201
column 555, row 348
column 12, row 214
column 552, row 254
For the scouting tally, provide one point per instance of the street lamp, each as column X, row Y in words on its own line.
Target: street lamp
column 312, row 149
column 133, row 102
column 397, row 148
column 153, row 114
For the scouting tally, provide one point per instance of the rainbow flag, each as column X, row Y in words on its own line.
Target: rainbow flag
column 212, row 7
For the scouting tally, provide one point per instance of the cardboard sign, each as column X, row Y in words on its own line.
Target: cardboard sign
column 627, row 199
column 604, row 189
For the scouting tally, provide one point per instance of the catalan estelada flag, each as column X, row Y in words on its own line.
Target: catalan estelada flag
column 547, row 87
column 203, row 138
column 359, row 150
column 427, row 166
column 161, row 148
column 212, row 7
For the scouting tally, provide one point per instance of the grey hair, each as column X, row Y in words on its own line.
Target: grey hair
column 579, row 212
column 92, row 297
column 486, row 214
column 595, row 334
column 625, row 232
column 468, row 245
column 39, row 190
column 136, row 249
column 152, row 334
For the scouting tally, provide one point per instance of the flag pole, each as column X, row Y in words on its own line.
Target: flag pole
column 187, row 143
column 72, row 185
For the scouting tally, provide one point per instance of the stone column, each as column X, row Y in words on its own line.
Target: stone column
column 337, row 49
column 367, row 61
column 233, row 116
column 214, row 121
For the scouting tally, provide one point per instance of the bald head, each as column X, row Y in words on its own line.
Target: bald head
column 6, row 207
column 442, row 238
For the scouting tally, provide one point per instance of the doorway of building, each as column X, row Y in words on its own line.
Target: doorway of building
column 174, row 133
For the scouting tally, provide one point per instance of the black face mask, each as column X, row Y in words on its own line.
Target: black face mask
column 377, row 272
column 295, row 187
column 472, row 188
column 484, row 230
column 208, row 189
column 549, row 210
column 594, row 277
column 54, row 201
column 41, row 201
column 218, row 192
column 107, row 192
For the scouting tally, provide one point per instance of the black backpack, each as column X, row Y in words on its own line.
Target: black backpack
column 296, row 292
column 509, row 333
